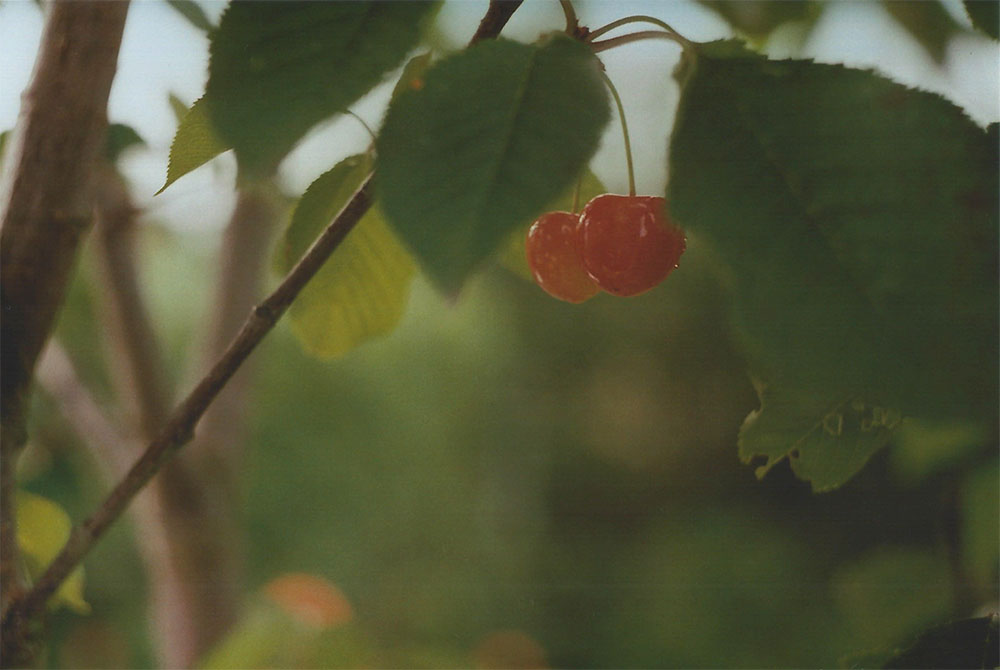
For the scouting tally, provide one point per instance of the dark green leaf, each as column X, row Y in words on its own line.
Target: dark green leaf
column 118, row 138
column 279, row 68
column 928, row 22
column 495, row 134
column 193, row 13
column 758, row 18
column 980, row 533
column 362, row 289
column 858, row 219
column 195, row 143
column 985, row 15
column 968, row 643
column 825, row 442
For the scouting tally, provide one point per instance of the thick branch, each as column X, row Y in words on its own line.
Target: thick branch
column 44, row 211
column 180, row 427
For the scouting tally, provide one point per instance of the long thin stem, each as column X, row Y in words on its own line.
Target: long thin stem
column 179, row 428
column 604, row 45
column 571, row 21
column 628, row 144
column 642, row 18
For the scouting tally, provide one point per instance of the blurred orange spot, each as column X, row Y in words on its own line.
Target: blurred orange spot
column 510, row 649
column 310, row 599
column 417, row 84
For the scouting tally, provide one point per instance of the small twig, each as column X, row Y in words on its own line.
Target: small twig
column 179, row 429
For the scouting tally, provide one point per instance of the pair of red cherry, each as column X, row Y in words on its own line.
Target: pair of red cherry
column 623, row 244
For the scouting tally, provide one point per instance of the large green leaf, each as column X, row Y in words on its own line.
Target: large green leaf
column 495, row 134
column 195, row 143
column 858, row 220
column 279, row 68
column 362, row 289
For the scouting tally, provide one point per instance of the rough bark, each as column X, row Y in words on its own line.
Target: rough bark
column 45, row 209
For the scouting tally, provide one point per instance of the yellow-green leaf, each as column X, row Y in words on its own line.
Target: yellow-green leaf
column 42, row 530
column 512, row 256
column 195, row 143
column 362, row 290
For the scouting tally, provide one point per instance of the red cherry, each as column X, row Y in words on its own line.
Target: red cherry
column 627, row 243
column 554, row 258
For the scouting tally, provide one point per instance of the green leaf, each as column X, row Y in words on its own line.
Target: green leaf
column 42, row 530
column 985, row 15
column 496, row 132
column 412, row 76
column 891, row 594
column 362, row 290
column 826, row 443
column 923, row 448
column 858, row 222
column 195, row 143
column 193, row 13
column 980, row 533
column 177, row 106
column 968, row 643
column 759, row 18
column 118, row 138
column 278, row 69
column 513, row 255
column 927, row 22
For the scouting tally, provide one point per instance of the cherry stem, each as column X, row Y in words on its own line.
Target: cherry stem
column 576, row 194
column 642, row 18
column 371, row 133
column 628, row 145
column 571, row 22
column 604, row 45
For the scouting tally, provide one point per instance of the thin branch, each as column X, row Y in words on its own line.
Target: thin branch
column 135, row 353
column 112, row 450
column 496, row 18
column 179, row 429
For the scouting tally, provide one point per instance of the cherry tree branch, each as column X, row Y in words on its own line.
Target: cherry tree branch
column 44, row 212
column 179, row 428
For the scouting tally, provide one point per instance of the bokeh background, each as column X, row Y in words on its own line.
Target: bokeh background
column 506, row 479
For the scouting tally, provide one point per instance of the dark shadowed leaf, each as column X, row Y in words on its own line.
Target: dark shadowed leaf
column 279, row 68
column 858, row 219
column 495, row 134
column 928, row 22
column 192, row 13
column 968, row 643
column 118, row 138
column 985, row 15
column 362, row 290
column 758, row 18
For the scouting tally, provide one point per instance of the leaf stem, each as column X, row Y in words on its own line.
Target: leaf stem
column 604, row 45
column 628, row 144
column 640, row 18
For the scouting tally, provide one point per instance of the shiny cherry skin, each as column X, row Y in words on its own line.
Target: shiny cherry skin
column 554, row 258
column 627, row 243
